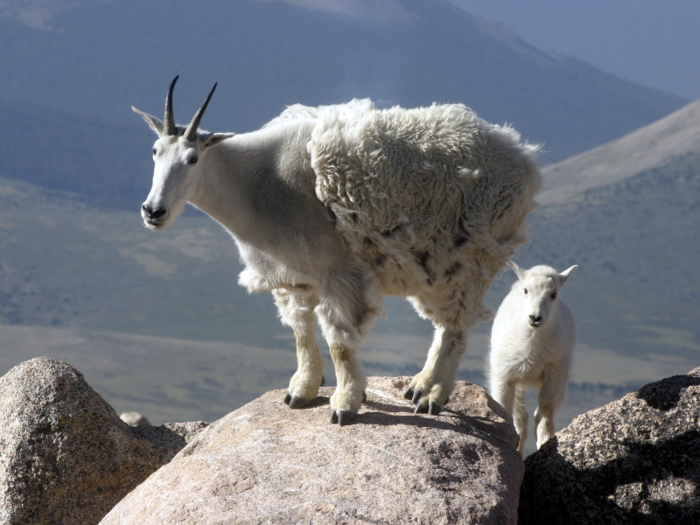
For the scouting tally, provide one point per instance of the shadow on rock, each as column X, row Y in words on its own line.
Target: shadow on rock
column 634, row 461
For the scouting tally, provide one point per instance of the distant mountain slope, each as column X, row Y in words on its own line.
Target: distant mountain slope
column 103, row 163
column 99, row 58
column 636, row 243
column 647, row 148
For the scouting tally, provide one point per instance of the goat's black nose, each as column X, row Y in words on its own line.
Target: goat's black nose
column 151, row 213
column 535, row 319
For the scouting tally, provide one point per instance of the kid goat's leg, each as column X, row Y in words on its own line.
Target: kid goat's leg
column 297, row 311
column 550, row 398
column 520, row 417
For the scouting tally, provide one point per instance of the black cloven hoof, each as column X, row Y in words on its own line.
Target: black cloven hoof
column 343, row 417
column 408, row 394
column 416, row 396
column 431, row 408
column 434, row 408
column 299, row 402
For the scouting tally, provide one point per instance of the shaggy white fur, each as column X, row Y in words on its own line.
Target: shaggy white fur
column 334, row 207
column 532, row 344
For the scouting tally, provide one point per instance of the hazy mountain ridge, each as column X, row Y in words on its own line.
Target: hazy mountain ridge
column 655, row 145
column 103, row 163
column 101, row 58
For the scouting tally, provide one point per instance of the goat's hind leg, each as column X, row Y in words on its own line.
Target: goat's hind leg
column 297, row 310
column 347, row 310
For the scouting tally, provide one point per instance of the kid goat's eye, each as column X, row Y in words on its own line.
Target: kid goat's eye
column 554, row 295
column 154, row 151
column 193, row 160
column 525, row 290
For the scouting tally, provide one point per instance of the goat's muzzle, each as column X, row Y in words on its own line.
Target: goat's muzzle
column 152, row 216
column 535, row 320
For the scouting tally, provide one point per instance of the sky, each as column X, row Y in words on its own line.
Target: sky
column 655, row 43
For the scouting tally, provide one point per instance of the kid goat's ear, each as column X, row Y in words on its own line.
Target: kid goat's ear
column 153, row 122
column 563, row 276
column 518, row 270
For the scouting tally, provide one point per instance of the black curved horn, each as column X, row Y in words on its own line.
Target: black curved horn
column 169, row 119
column 191, row 131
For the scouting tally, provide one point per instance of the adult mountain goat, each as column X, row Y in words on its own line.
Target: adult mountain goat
column 334, row 207
column 532, row 344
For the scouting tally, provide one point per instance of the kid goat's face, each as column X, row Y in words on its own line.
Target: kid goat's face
column 540, row 296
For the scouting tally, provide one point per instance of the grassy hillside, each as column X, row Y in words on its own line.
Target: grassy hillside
column 63, row 263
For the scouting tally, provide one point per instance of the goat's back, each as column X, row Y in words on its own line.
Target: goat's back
column 418, row 175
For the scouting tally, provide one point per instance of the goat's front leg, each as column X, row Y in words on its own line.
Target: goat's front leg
column 350, row 391
column 549, row 400
column 502, row 390
column 297, row 311
column 430, row 389
column 510, row 396
column 520, row 417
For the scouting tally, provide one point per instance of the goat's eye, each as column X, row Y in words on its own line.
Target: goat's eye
column 154, row 152
column 525, row 290
column 193, row 160
column 554, row 295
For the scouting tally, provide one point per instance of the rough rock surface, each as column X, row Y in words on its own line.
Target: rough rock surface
column 636, row 460
column 265, row 463
column 65, row 456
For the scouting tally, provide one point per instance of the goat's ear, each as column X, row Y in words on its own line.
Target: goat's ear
column 518, row 270
column 212, row 139
column 563, row 276
column 153, row 122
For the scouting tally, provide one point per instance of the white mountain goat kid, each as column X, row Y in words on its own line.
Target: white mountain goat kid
column 334, row 207
column 532, row 344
